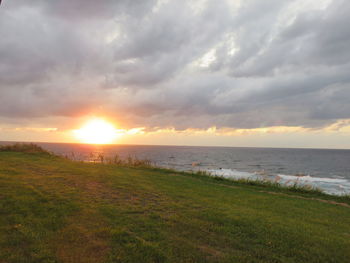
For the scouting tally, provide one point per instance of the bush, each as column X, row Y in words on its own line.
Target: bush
column 23, row 147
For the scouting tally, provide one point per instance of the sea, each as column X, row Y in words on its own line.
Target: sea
column 325, row 169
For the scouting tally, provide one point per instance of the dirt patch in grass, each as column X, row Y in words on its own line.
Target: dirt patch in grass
column 213, row 254
column 100, row 190
column 84, row 239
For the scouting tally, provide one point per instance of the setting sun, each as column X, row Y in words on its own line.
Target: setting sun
column 97, row 131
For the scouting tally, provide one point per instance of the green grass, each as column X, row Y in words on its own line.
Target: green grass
column 56, row 210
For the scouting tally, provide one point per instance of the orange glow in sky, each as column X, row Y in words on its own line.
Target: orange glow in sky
column 97, row 131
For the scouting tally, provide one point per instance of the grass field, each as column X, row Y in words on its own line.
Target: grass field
column 56, row 210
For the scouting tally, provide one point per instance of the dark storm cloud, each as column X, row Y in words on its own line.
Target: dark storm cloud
column 187, row 64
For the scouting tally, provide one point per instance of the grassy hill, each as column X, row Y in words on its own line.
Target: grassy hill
column 56, row 210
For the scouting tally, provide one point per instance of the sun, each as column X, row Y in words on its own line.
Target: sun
column 97, row 131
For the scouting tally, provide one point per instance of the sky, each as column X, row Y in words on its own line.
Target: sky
column 272, row 73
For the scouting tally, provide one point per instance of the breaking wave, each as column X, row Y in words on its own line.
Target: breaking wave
column 334, row 186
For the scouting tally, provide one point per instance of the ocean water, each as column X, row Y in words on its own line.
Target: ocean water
column 326, row 169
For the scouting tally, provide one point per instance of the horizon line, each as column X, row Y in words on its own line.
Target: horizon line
column 176, row 145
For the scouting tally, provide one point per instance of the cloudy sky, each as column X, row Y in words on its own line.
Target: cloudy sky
column 198, row 72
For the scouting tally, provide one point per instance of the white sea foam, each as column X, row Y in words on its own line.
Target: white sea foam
column 335, row 186
column 229, row 173
column 308, row 178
